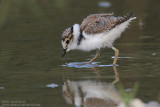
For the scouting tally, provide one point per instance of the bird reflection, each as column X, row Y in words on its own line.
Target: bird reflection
column 91, row 93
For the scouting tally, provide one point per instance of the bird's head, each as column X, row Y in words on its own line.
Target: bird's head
column 69, row 38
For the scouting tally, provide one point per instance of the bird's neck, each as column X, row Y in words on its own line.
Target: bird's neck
column 77, row 36
column 76, row 31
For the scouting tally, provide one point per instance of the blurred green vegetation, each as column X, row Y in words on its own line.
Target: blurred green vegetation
column 130, row 95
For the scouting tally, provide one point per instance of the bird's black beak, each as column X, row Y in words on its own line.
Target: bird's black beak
column 64, row 52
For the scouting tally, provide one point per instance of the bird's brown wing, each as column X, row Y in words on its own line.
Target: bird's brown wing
column 97, row 23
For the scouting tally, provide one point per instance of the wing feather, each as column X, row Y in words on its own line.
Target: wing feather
column 97, row 23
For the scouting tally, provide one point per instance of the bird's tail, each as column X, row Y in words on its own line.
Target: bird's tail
column 130, row 16
column 125, row 18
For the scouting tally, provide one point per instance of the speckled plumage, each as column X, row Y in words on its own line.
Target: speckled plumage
column 98, row 23
column 67, row 32
column 96, row 31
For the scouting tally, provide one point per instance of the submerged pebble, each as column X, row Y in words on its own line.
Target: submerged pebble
column 139, row 103
column 52, row 85
column 153, row 104
column 1, row 88
column 154, row 54
column 128, row 90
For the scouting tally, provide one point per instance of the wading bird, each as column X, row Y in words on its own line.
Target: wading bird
column 96, row 31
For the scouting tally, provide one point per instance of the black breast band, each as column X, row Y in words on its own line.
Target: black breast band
column 80, row 37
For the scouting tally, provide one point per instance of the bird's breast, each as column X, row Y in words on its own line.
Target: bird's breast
column 92, row 42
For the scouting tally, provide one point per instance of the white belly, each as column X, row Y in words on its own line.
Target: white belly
column 107, row 38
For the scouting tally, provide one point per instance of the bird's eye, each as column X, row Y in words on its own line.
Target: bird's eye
column 67, row 42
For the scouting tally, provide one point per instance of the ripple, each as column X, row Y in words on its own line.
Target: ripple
column 52, row 85
column 122, row 57
column 111, row 65
column 81, row 64
column 85, row 65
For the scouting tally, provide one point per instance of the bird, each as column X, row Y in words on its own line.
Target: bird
column 95, row 32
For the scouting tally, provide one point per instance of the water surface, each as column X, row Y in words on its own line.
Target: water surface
column 30, row 50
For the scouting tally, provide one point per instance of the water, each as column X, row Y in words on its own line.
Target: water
column 30, row 50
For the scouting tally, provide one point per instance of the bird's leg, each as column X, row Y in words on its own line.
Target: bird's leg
column 116, row 75
column 116, row 55
column 95, row 57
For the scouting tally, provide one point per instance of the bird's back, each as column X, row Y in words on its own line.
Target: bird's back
column 98, row 23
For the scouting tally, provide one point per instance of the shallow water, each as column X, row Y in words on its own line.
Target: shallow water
column 32, row 71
